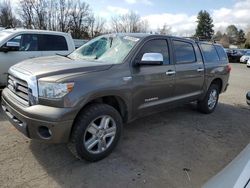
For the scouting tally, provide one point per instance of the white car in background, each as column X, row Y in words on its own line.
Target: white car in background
column 248, row 63
column 19, row 44
column 245, row 57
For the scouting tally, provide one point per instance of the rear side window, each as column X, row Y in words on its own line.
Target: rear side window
column 155, row 46
column 222, row 53
column 184, row 52
column 52, row 43
column 210, row 53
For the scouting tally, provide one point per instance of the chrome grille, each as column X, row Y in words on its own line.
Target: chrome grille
column 19, row 87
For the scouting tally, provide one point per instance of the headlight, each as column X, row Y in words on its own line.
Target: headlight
column 54, row 90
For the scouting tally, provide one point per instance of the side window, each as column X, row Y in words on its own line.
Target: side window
column 52, row 43
column 210, row 53
column 16, row 39
column 25, row 42
column 155, row 46
column 222, row 53
column 184, row 52
column 29, row 42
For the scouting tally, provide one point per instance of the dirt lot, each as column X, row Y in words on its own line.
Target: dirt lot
column 152, row 153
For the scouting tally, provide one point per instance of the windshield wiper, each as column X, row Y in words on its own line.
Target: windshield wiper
column 111, row 41
column 64, row 55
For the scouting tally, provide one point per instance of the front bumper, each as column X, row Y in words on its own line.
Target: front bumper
column 34, row 121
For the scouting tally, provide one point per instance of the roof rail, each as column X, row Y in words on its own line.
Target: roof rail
column 198, row 39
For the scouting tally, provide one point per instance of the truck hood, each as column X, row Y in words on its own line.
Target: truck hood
column 55, row 65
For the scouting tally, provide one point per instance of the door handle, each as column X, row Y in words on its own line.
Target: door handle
column 170, row 72
column 200, row 70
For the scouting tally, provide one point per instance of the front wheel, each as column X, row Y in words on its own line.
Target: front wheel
column 96, row 132
column 209, row 103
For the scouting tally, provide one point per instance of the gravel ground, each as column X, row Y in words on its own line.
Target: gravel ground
column 176, row 148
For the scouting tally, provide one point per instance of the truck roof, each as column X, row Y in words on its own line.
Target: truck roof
column 21, row 30
column 144, row 35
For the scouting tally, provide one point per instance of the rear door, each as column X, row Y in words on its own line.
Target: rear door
column 53, row 44
column 153, row 84
column 189, row 69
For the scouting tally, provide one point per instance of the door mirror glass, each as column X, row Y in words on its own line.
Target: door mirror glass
column 13, row 45
column 10, row 46
column 152, row 59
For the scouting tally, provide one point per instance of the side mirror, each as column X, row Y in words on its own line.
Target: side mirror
column 151, row 59
column 248, row 98
column 11, row 46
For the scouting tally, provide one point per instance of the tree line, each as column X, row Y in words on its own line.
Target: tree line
column 77, row 17
column 232, row 35
column 74, row 16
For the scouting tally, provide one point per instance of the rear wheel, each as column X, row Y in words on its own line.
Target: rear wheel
column 209, row 103
column 97, row 131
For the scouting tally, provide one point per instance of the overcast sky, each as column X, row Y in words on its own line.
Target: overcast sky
column 179, row 14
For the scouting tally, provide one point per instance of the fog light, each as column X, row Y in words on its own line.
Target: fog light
column 44, row 132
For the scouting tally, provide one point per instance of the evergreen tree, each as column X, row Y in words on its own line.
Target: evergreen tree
column 205, row 26
column 241, row 37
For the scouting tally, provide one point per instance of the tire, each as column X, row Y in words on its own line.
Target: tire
column 207, row 107
column 96, row 132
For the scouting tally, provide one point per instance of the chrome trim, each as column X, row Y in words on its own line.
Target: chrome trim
column 170, row 73
column 200, row 70
column 31, row 81
column 127, row 78
column 152, row 57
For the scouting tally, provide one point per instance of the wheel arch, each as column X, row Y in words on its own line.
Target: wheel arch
column 219, row 82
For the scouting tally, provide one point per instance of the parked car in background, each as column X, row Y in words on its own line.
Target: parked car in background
column 248, row 63
column 83, row 99
column 19, row 44
column 245, row 57
column 234, row 55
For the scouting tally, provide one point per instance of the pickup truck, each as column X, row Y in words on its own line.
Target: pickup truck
column 84, row 99
column 19, row 44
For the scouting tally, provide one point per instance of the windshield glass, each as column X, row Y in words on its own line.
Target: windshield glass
column 248, row 54
column 4, row 34
column 109, row 48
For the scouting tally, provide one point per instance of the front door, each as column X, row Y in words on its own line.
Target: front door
column 28, row 48
column 153, row 85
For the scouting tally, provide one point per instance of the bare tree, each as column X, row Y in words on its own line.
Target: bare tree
column 80, row 19
column 52, row 15
column 65, row 6
column 27, row 13
column 7, row 18
column 40, row 14
column 143, row 26
column 97, row 26
column 165, row 30
column 129, row 23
